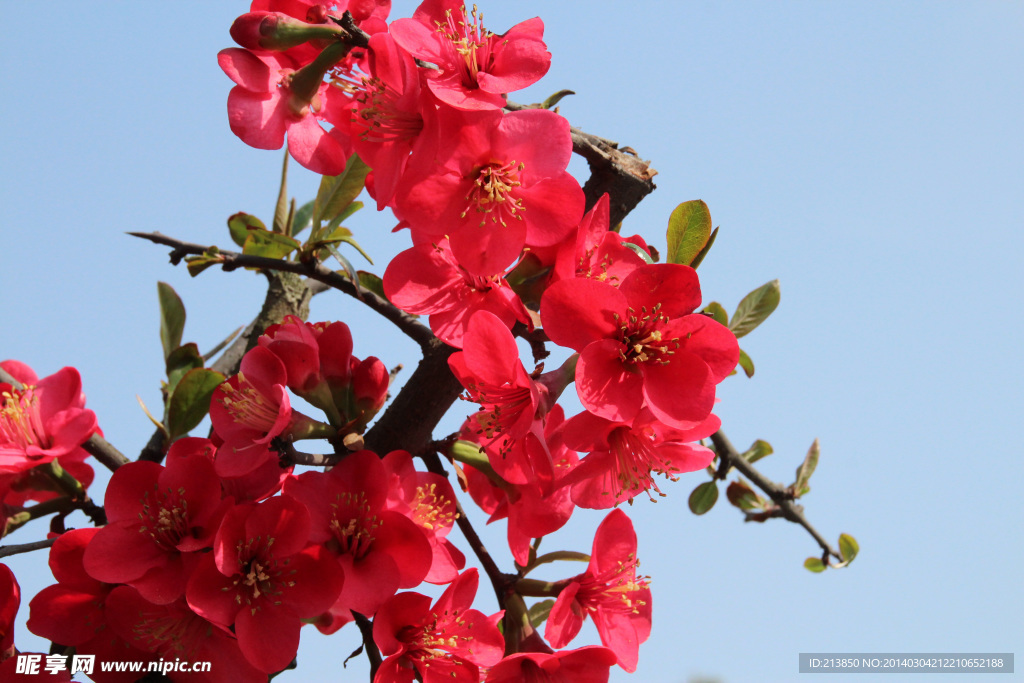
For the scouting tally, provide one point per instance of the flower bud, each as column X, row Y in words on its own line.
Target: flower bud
column 277, row 31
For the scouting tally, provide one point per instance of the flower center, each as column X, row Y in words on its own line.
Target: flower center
column 636, row 456
column 248, row 406
column 353, row 523
column 465, row 36
column 492, row 192
column 378, row 114
column 614, row 588
column 165, row 519
column 642, row 339
column 432, row 510
column 20, row 421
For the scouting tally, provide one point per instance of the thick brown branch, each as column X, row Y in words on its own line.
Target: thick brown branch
column 230, row 260
column 730, row 457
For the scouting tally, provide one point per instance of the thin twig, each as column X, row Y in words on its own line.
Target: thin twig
column 730, row 457
column 8, row 550
column 230, row 260
column 372, row 653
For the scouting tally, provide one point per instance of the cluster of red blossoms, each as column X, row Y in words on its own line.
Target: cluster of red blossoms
column 222, row 554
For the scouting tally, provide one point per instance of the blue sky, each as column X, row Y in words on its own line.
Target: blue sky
column 868, row 155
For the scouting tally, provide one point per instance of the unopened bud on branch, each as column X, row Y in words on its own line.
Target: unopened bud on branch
column 278, row 31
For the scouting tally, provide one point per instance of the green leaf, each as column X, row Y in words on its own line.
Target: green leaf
column 345, row 235
column 269, row 245
column 807, row 467
column 703, row 498
column 717, row 312
column 755, row 308
column 172, row 317
column 303, row 217
column 699, row 258
column 759, row 449
column 190, row 401
column 338, row 192
column 372, row 283
column 197, row 264
column 746, row 363
column 689, row 228
column 241, row 224
column 814, row 564
column 181, row 360
column 281, row 209
column 552, row 100
column 538, row 613
column 742, row 496
column 639, row 251
column 848, row 547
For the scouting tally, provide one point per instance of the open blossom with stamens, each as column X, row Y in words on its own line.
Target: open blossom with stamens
column 503, row 185
column 379, row 549
column 427, row 280
column 173, row 631
column 609, row 592
column 42, row 421
column 445, row 643
column 641, row 344
column 157, row 518
column 490, row 369
column 624, row 456
column 475, row 67
column 264, row 577
column 429, row 501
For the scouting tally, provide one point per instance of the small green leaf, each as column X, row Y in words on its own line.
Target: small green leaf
column 639, row 251
column 552, row 100
column 197, row 264
column 703, row 498
column 190, row 401
column 338, row 192
column 172, row 317
column 538, row 613
column 303, row 217
column 807, row 467
column 718, row 313
column 746, row 363
column 699, row 258
column 372, row 283
column 742, row 496
column 848, row 547
column 759, row 449
column 689, row 228
column 755, row 308
column 281, row 209
column 181, row 360
column 241, row 224
column 269, row 245
column 814, row 564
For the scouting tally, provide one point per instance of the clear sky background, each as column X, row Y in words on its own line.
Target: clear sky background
column 868, row 155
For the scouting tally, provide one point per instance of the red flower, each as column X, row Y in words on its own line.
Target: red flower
column 42, row 421
column 640, row 344
column 263, row 106
column 427, row 280
column 429, row 501
column 623, row 456
column 379, row 550
column 475, row 66
column 609, row 592
column 444, row 643
column 502, row 186
column 264, row 578
column 598, row 252
column 173, row 631
column 490, row 370
column 156, row 518
column 585, row 665
column 10, row 601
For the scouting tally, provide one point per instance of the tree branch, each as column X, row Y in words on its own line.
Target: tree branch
column 730, row 457
column 8, row 550
column 230, row 260
column 366, row 629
